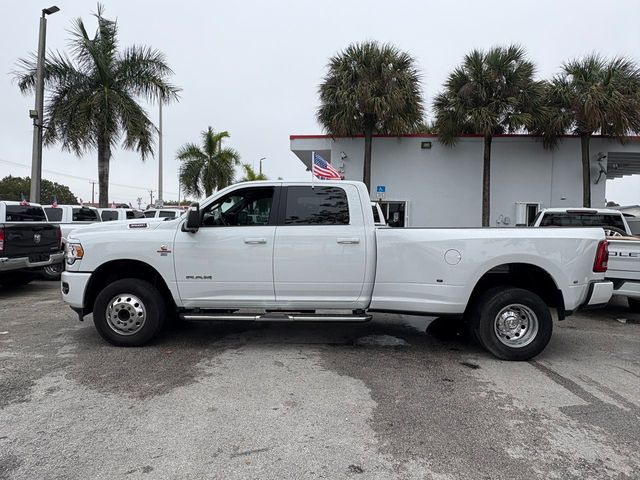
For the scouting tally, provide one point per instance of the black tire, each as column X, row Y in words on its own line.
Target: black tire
column 513, row 305
column 129, row 295
column 52, row 272
column 634, row 304
column 17, row 279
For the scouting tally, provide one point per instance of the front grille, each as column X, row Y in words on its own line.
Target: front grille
column 43, row 257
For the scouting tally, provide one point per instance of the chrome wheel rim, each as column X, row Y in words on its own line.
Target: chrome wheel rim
column 126, row 314
column 516, row 325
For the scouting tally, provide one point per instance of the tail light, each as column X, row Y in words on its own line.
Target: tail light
column 602, row 257
column 1, row 239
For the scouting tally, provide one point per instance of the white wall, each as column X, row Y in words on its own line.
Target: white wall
column 443, row 185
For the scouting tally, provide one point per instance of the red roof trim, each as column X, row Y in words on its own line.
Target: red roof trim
column 433, row 135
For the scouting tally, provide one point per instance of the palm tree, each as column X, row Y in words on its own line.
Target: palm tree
column 250, row 174
column 208, row 168
column 490, row 93
column 93, row 97
column 370, row 88
column 592, row 95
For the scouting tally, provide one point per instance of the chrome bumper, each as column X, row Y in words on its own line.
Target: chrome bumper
column 20, row 263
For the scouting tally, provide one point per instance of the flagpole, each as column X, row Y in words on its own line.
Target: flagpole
column 313, row 154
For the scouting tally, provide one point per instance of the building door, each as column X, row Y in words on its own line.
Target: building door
column 394, row 213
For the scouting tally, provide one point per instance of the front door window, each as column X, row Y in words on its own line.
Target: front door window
column 251, row 206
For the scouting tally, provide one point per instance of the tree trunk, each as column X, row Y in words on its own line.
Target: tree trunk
column 104, row 156
column 486, row 181
column 585, row 138
column 366, row 168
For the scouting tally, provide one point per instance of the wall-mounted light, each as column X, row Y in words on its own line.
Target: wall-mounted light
column 343, row 155
column 425, row 145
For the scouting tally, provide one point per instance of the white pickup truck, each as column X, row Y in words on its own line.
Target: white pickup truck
column 290, row 251
column 68, row 217
column 624, row 247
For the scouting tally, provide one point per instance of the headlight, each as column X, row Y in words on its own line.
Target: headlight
column 73, row 252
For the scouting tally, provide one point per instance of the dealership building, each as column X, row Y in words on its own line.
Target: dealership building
column 423, row 183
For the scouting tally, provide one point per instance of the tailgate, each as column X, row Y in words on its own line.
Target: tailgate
column 26, row 239
column 624, row 259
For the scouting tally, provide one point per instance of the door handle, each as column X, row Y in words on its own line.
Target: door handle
column 348, row 241
column 255, row 241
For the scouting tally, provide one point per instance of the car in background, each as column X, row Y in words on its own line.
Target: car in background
column 169, row 213
column 111, row 214
column 28, row 242
column 68, row 217
column 624, row 247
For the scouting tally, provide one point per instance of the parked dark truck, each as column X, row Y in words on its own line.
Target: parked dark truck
column 27, row 242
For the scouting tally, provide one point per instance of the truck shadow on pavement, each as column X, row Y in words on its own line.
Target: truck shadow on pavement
column 173, row 359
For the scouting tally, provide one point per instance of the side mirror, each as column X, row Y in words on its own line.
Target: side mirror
column 193, row 218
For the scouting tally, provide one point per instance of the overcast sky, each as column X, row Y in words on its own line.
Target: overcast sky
column 253, row 68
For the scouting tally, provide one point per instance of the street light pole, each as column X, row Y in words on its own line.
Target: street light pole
column 263, row 158
column 38, row 113
column 159, row 200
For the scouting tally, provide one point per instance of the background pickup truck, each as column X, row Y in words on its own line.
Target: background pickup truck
column 27, row 242
column 68, row 218
column 288, row 251
column 111, row 214
column 624, row 248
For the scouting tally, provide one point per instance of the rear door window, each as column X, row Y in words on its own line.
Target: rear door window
column 25, row 213
column 54, row 214
column 316, row 206
column 150, row 214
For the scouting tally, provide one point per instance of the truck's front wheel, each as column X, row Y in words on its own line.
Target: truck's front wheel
column 512, row 323
column 128, row 312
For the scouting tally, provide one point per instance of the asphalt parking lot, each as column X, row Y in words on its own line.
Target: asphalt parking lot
column 378, row 400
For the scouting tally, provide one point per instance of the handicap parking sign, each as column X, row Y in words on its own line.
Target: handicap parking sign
column 381, row 188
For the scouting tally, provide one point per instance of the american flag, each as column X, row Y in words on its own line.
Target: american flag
column 323, row 170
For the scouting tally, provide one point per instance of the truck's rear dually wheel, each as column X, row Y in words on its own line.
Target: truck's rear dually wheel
column 128, row 312
column 512, row 323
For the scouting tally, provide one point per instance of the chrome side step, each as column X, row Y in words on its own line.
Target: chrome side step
column 276, row 317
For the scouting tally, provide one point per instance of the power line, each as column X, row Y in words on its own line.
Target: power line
column 76, row 177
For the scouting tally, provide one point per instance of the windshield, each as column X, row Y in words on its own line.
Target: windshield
column 85, row 214
column 570, row 219
column 25, row 213
column 54, row 214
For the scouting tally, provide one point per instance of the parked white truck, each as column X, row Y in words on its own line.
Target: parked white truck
column 624, row 247
column 68, row 217
column 290, row 251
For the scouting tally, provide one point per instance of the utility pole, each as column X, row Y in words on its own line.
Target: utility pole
column 139, row 199
column 37, row 114
column 159, row 200
column 151, row 198
column 93, row 191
